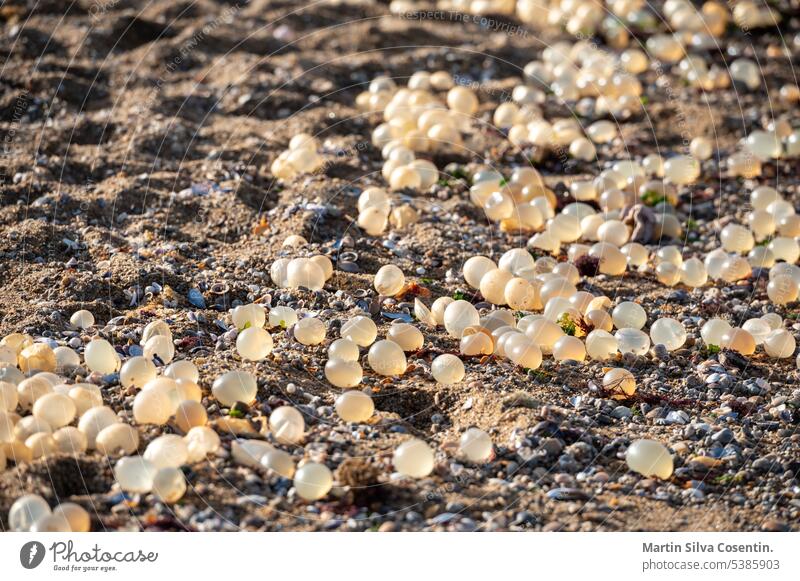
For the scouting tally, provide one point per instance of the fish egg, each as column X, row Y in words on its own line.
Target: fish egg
column 310, row 331
column 413, row 458
column 354, row 406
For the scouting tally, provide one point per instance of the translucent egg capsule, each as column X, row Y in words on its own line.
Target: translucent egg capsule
column 169, row 484
column 524, row 352
column 137, row 371
column 545, row 334
column 76, row 517
column 344, row 349
column 235, row 386
column 458, row 316
column 152, row 406
column 70, row 440
column 26, row 511
column 493, row 286
column 786, row 249
column 447, row 369
column 774, row 320
column 735, row 268
column 413, row 458
column 100, row 356
column 283, row 317
column 668, row 332
column 118, row 439
column 169, row 451
column 55, row 408
column 782, row 289
column 738, row 340
column 309, row 331
column 462, row 100
column 620, row 380
column 254, row 344
column 31, row 389
column 438, row 308
column 408, row 337
column 201, row 440
column 354, row 406
column 183, row 369
column 82, row 319
column 693, row 273
column 701, row 148
column 758, row 328
column 302, row 272
column 476, row 445
column 387, row 358
column 157, row 327
column 478, row 343
column 251, row 315
column 312, row 481
column 389, row 280
column 630, row 315
column 135, row 474
column 601, row 345
column 668, row 274
column 681, row 170
column 569, row 347
column 631, row 340
column 649, row 458
column 37, row 357
column 714, row 330
column 189, row 414
column 736, row 238
column 41, row 445
column 361, row 330
column 159, row 346
column 780, row 344
column 475, row 268
column 287, row 425
column 612, row 261
column 279, row 462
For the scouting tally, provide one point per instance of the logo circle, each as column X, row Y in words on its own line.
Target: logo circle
column 31, row 554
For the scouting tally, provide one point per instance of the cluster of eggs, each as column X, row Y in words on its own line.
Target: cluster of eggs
column 766, row 330
column 375, row 211
column 302, row 157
